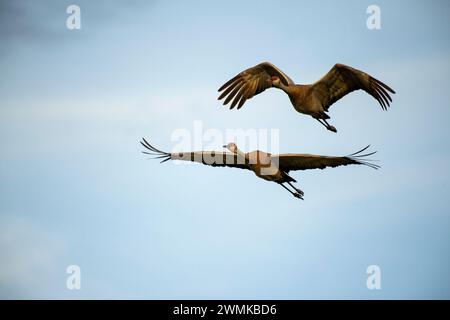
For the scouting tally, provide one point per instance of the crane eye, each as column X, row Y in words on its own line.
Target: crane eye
column 274, row 78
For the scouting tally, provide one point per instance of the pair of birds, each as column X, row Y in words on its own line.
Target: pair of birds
column 311, row 99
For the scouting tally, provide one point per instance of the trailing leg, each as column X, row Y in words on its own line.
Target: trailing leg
column 329, row 127
column 295, row 194
column 296, row 189
column 326, row 124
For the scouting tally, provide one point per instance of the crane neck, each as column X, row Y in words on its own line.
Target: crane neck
column 285, row 88
column 240, row 153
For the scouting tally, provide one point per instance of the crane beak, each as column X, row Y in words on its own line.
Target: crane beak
column 224, row 146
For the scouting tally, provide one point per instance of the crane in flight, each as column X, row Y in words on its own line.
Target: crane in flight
column 310, row 99
column 266, row 166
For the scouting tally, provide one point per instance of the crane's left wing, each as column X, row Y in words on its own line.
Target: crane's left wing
column 251, row 82
column 210, row 158
column 342, row 79
column 288, row 162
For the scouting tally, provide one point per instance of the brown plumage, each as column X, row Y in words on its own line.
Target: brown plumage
column 311, row 99
column 266, row 166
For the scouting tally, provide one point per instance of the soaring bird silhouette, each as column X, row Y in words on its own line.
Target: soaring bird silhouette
column 311, row 99
column 265, row 165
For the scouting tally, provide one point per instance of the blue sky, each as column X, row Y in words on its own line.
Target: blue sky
column 75, row 189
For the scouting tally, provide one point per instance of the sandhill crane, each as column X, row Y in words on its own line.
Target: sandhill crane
column 265, row 165
column 311, row 99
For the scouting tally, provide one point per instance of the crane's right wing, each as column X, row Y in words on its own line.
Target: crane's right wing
column 288, row 162
column 251, row 82
column 342, row 79
column 211, row 158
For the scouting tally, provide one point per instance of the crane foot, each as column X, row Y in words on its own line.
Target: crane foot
column 298, row 195
column 331, row 128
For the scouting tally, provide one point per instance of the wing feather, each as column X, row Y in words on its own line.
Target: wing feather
column 342, row 79
column 251, row 82
column 236, row 89
column 228, row 90
column 211, row 158
column 289, row 162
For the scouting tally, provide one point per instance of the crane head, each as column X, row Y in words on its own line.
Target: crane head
column 232, row 147
column 275, row 81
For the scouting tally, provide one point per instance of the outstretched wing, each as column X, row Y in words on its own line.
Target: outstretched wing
column 251, row 82
column 342, row 79
column 288, row 162
column 212, row 158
